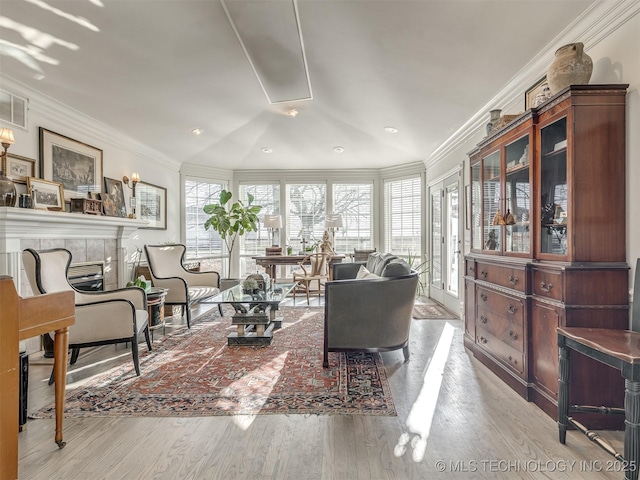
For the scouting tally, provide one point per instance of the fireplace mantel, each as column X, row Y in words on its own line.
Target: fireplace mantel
column 17, row 224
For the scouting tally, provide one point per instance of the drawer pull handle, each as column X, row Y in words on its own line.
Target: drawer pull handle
column 484, row 273
column 483, row 340
column 512, row 308
column 483, row 319
column 513, row 280
column 513, row 335
column 483, row 297
column 472, row 269
column 546, row 287
column 515, row 362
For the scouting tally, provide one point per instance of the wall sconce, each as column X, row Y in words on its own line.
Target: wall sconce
column 273, row 223
column 135, row 178
column 8, row 192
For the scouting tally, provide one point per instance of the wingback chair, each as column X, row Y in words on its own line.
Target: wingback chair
column 102, row 318
column 166, row 264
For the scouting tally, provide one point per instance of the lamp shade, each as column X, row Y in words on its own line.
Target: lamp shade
column 135, row 177
column 333, row 220
column 6, row 136
column 272, row 221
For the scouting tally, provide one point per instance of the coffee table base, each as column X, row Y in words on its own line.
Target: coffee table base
column 251, row 338
column 255, row 326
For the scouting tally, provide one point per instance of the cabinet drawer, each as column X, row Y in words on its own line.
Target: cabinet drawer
column 548, row 284
column 470, row 268
column 505, row 305
column 507, row 354
column 505, row 329
column 505, row 276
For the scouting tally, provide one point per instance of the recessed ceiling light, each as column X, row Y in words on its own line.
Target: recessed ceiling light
column 338, row 149
column 391, row 129
column 293, row 112
column 197, row 131
column 266, row 150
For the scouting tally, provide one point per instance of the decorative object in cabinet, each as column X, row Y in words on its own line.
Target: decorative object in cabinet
column 546, row 250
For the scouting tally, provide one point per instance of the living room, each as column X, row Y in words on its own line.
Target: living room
column 236, row 156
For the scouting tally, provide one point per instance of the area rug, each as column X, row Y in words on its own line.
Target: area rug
column 193, row 372
column 431, row 311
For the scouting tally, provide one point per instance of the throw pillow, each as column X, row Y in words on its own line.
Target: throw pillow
column 364, row 274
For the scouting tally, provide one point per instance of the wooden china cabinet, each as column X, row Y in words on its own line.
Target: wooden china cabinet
column 548, row 243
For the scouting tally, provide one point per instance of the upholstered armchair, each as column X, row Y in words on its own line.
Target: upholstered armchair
column 102, row 318
column 369, row 310
column 315, row 268
column 166, row 264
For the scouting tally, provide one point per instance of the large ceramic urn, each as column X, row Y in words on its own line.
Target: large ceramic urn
column 571, row 67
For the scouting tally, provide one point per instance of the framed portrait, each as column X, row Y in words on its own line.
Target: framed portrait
column 20, row 168
column 115, row 190
column 533, row 91
column 76, row 165
column 46, row 195
column 108, row 205
column 151, row 205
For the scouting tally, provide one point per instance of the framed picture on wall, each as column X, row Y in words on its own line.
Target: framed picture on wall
column 151, row 205
column 114, row 189
column 76, row 165
column 18, row 168
column 46, row 195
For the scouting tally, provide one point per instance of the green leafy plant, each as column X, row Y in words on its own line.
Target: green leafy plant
column 422, row 267
column 141, row 282
column 249, row 285
column 233, row 221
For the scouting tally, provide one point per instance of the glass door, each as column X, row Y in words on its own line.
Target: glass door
column 553, row 188
column 518, row 197
column 446, row 241
column 492, row 218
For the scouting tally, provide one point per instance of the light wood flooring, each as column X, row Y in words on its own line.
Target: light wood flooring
column 479, row 429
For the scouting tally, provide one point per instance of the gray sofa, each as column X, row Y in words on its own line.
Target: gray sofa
column 370, row 314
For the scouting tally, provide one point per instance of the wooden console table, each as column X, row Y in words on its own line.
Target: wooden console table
column 22, row 318
column 271, row 262
column 619, row 349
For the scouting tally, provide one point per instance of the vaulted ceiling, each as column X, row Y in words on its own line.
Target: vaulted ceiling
column 157, row 69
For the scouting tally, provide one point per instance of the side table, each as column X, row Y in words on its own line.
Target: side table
column 155, row 307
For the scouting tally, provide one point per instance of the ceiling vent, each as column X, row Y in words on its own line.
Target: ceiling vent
column 13, row 109
column 269, row 33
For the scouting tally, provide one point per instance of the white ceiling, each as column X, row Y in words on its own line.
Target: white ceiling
column 156, row 69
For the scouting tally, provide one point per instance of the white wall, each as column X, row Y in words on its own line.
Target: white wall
column 616, row 59
column 121, row 155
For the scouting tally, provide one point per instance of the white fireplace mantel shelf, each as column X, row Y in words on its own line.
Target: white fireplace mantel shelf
column 17, row 224
column 22, row 223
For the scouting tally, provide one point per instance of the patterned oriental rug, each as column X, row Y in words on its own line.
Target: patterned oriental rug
column 431, row 312
column 194, row 373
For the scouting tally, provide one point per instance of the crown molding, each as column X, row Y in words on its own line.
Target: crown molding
column 598, row 22
column 59, row 114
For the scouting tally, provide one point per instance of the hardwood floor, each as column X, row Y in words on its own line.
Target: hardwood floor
column 479, row 429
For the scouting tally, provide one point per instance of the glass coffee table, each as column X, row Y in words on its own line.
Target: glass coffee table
column 255, row 313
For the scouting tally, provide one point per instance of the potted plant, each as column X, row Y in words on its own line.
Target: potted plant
column 233, row 221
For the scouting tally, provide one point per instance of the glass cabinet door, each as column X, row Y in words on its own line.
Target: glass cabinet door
column 553, row 188
column 476, row 207
column 517, row 196
column 492, row 215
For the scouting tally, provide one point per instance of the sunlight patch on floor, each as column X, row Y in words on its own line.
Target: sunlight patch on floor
column 421, row 415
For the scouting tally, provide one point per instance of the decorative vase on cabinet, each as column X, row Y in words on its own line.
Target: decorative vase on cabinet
column 571, row 67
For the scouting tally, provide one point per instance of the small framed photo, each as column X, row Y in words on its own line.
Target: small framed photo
column 46, row 195
column 533, row 91
column 115, row 190
column 20, row 168
column 151, row 205
column 76, row 165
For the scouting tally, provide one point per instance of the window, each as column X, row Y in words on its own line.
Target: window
column 307, row 210
column 205, row 245
column 354, row 202
column 254, row 243
column 403, row 217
